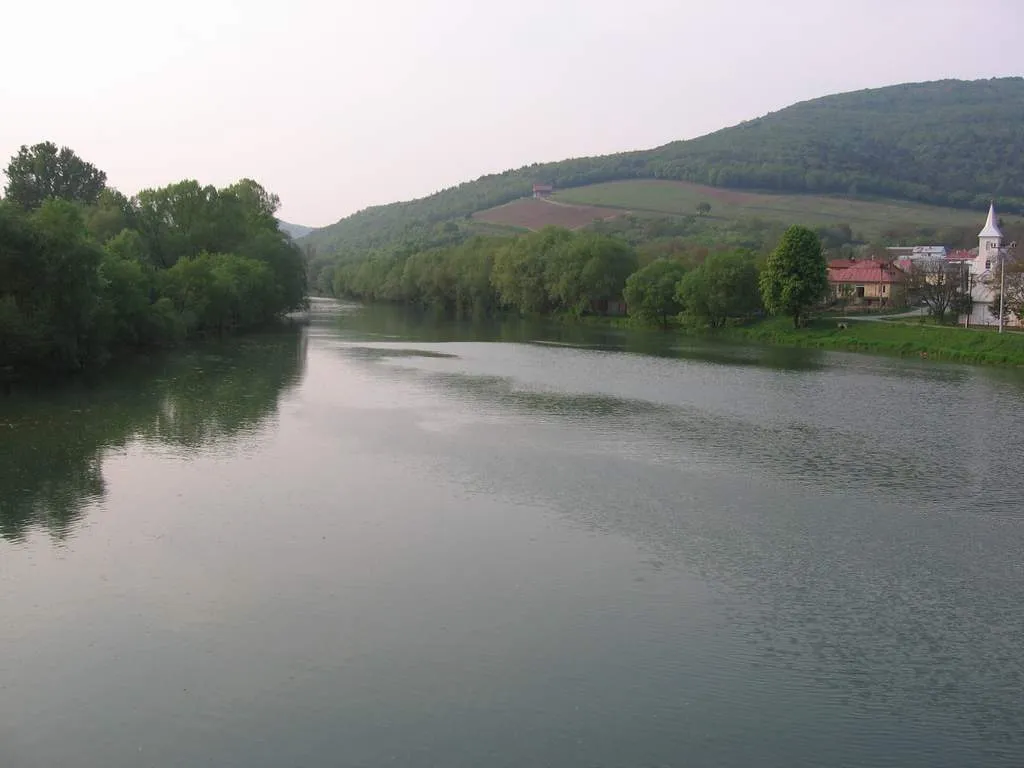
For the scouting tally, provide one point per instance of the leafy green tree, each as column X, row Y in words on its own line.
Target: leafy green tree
column 427, row 279
column 795, row 276
column 703, row 208
column 111, row 214
column 589, row 268
column 258, row 204
column 284, row 259
column 185, row 219
column 724, row 286
column 1013, row 300
column 43, row 171
column 128, row 244
column 835, row 236
column 125, row 304
column 24, row 326
column 472, row 264
column 651, row 292
column 68, row 302
column 66, row 286
column 520, row 271
column 1012, row 288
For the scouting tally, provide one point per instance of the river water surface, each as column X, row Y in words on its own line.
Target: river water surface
column 382, row 540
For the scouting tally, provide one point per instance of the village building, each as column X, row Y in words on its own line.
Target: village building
column 916, row 252
column 982, row 276
column 541, row 191
column 884, row 281
column 868, row 282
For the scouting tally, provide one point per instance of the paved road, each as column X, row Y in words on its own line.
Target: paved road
column 882, row 318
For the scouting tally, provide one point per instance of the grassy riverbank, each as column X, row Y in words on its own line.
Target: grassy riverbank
column 900, row 338
column 905, row 339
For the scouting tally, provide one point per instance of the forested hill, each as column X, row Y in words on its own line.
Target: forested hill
column 294, row 231
column 949, row 142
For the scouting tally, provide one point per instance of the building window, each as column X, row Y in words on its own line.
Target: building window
column 883, row 289
column 860, row 291
column 988, row 264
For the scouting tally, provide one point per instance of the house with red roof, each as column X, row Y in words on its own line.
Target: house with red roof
column 869, row 282
column 541, row 191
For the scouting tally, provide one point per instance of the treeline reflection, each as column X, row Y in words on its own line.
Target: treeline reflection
column 53, row 444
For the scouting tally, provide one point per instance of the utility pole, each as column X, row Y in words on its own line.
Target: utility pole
column 1002, row 279
column 969, row 279
column 1002, row 284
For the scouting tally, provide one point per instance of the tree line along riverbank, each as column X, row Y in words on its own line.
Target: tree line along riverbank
column 88, row 274
column 736, row 294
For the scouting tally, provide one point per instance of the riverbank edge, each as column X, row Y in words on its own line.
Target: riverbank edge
column 888, row 338
column 13, row 379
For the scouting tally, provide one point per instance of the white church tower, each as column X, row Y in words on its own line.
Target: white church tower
column 990, row 240
column 984, row 269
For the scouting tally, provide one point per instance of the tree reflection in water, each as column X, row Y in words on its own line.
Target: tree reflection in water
column 53, row 444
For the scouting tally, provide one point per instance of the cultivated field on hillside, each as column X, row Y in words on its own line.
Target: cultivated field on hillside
column 867, row 218
column 530, row 213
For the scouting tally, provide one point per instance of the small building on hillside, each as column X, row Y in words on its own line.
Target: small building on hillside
column 540, row 191
column 868, row 282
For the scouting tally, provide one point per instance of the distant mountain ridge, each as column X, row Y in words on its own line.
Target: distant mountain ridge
column 949, row 142
column 294, row 231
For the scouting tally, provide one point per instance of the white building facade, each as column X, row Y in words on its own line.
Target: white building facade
column 917, row 252
column 983, row 274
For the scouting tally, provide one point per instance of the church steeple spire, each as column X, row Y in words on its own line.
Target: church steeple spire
column 991, row 229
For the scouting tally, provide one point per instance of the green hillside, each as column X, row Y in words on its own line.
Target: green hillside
column 950, row 142
column 870, row 219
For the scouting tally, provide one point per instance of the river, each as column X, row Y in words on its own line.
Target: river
column 389, row 540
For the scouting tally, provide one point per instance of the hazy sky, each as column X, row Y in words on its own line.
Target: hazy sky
column 340, row 105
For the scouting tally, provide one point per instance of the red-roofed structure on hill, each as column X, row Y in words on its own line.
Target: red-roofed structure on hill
column 543, row 190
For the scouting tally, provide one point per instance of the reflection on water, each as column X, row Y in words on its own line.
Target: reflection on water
column 52, row 445
column 566, row 545
column 839, row 551
column 387, row 323
column 860, row 513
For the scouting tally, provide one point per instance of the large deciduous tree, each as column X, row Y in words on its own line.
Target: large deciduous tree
column 43, row 171
column 1013, row 289
column 724, row 286
column 651, row 292
column 110, row 215
column 519, row 272
column 49, row 288
column 795, row 276
column 938, row 285
column 86, row 272
column 589, row 268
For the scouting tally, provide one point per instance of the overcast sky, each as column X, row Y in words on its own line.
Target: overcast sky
column 340, row 105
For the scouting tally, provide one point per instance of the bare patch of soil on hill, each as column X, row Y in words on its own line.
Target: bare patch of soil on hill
column 530, row 213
